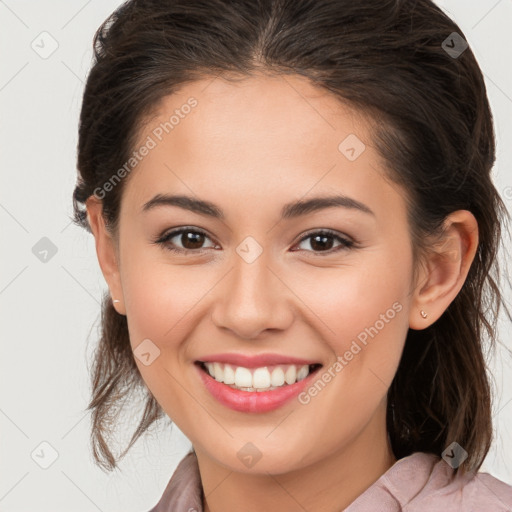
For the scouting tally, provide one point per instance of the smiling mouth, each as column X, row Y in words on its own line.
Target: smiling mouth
column 264, row 378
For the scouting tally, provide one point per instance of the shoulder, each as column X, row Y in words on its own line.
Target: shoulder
column 184, row 490
column 423, row 482
column 483, row 490
column 446, row 490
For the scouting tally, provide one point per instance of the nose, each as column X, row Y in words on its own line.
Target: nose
column 253, row 298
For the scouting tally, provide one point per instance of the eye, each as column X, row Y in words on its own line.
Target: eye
column 322, row 242
column 191, row 238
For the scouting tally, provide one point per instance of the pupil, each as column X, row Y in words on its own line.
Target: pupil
column 196, row 239
column 322, row 244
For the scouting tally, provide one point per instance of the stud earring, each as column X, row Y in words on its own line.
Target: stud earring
column 115, row 300
column 423, row 314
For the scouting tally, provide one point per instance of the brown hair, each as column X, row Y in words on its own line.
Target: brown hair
column 431, row 124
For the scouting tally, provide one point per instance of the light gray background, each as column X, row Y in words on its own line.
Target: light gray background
column 50, row 311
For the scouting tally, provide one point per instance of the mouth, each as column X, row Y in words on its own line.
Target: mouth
column 261, row 379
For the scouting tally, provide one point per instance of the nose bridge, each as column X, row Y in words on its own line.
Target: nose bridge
column 252, row 298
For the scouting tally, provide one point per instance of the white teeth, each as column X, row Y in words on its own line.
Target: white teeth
column 302, row 373
column 261, row 378
column 243, row 377
column 257, row 379
column 277, row 377
column 217, row 370
column 211, row 371
column 229, row 375
column 291, row 375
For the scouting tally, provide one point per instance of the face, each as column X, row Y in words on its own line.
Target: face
column 326, row 284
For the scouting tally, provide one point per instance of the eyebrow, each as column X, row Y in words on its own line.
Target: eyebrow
column 290, row 210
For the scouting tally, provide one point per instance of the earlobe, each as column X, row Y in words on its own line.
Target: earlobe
column 106, row 252
column 444, row 269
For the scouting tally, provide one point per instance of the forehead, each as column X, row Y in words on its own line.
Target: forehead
column 261, row 136
column 261, row 109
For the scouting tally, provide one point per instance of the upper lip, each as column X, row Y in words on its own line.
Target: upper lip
column 255, row 361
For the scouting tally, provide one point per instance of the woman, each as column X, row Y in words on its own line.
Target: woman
column 294, row 213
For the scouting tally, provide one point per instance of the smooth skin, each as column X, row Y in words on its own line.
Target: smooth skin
column 252, row 147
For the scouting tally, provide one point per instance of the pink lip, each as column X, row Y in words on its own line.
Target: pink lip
column 255, row 361
column 252, row 401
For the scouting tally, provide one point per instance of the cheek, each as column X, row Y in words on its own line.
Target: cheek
column 160, row 304
column 159, row 296
column 352, row 298
column 361, row 311
column 363, row 318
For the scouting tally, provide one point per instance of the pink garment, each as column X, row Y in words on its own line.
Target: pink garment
column 420, row 482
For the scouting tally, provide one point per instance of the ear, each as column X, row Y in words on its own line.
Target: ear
column 444, row 269
column 106, row 251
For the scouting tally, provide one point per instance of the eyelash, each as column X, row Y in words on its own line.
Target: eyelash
column 164, row 241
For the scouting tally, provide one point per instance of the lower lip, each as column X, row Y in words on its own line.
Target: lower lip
column 253, row 401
